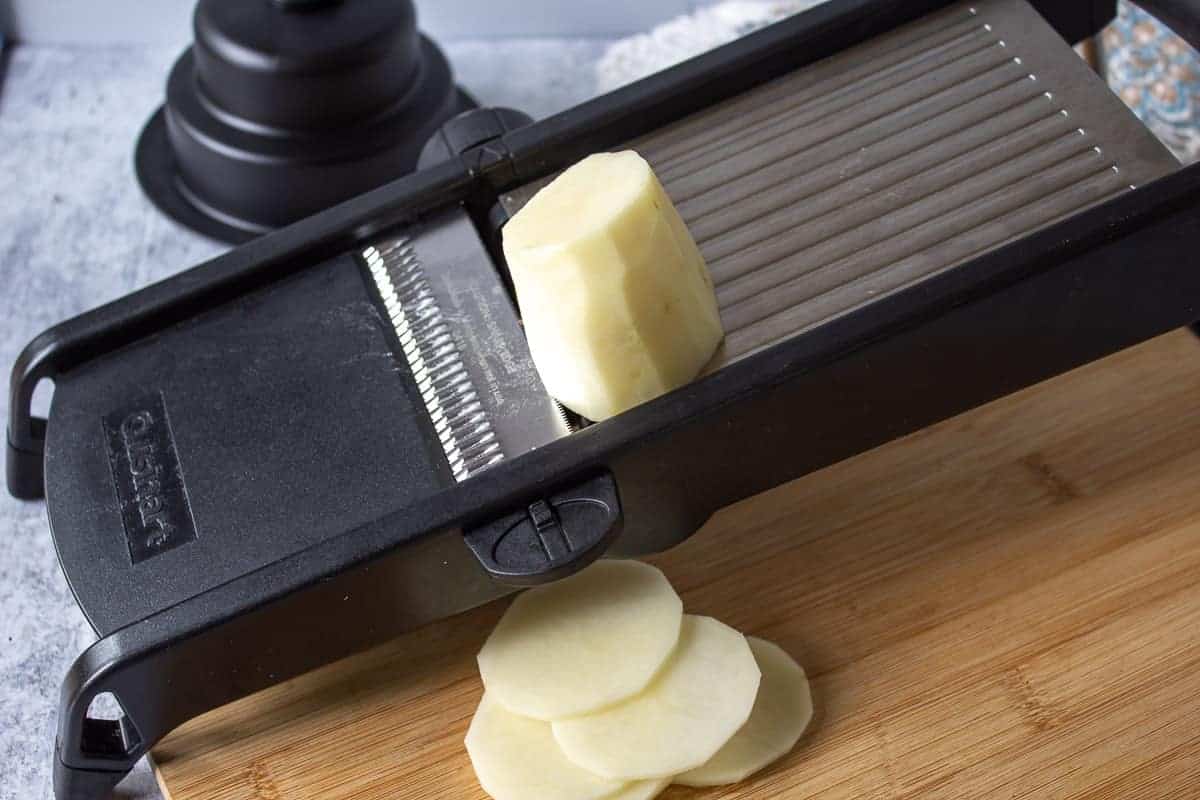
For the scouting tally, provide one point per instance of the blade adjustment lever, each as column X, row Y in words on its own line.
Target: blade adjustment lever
column 551, row 537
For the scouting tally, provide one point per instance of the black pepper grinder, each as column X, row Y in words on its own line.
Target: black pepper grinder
column 282, row 108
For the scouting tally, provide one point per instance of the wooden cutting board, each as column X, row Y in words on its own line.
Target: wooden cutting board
column 1005, row 605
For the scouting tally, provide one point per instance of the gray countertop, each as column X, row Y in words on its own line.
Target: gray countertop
column 75, row 231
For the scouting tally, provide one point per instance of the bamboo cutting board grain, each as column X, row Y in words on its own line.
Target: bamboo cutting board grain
column 1005, row 605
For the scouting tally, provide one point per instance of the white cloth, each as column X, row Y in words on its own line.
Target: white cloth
column 683, row 37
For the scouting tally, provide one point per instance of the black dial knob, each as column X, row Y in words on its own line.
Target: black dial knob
column 268, row 66
column 282, row 108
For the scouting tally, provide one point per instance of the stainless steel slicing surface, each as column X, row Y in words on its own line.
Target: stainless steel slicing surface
column 826, row 189
column 463, row 343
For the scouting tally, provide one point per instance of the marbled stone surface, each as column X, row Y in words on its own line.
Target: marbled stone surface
column 75, row 231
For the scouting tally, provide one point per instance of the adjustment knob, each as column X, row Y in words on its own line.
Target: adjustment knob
column 468, row 130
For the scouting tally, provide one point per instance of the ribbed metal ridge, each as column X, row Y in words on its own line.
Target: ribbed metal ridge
column 437, row 366
column 860, row 175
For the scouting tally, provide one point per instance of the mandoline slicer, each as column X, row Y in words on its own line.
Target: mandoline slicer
column 334, row 433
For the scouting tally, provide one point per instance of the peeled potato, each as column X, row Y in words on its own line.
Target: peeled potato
column 781, row 713
column 700, row 699
column 617, row 302
column 516, row 758
column 582, row 643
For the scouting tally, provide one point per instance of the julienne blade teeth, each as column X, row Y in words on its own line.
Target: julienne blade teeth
column 564, row 416
column 437, row 367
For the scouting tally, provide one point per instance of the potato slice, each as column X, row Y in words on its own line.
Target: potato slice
column 516, row 758
column 582, row 643
column 781, row 712
column 642, row 790
column 700, row 699
column 616, row 300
